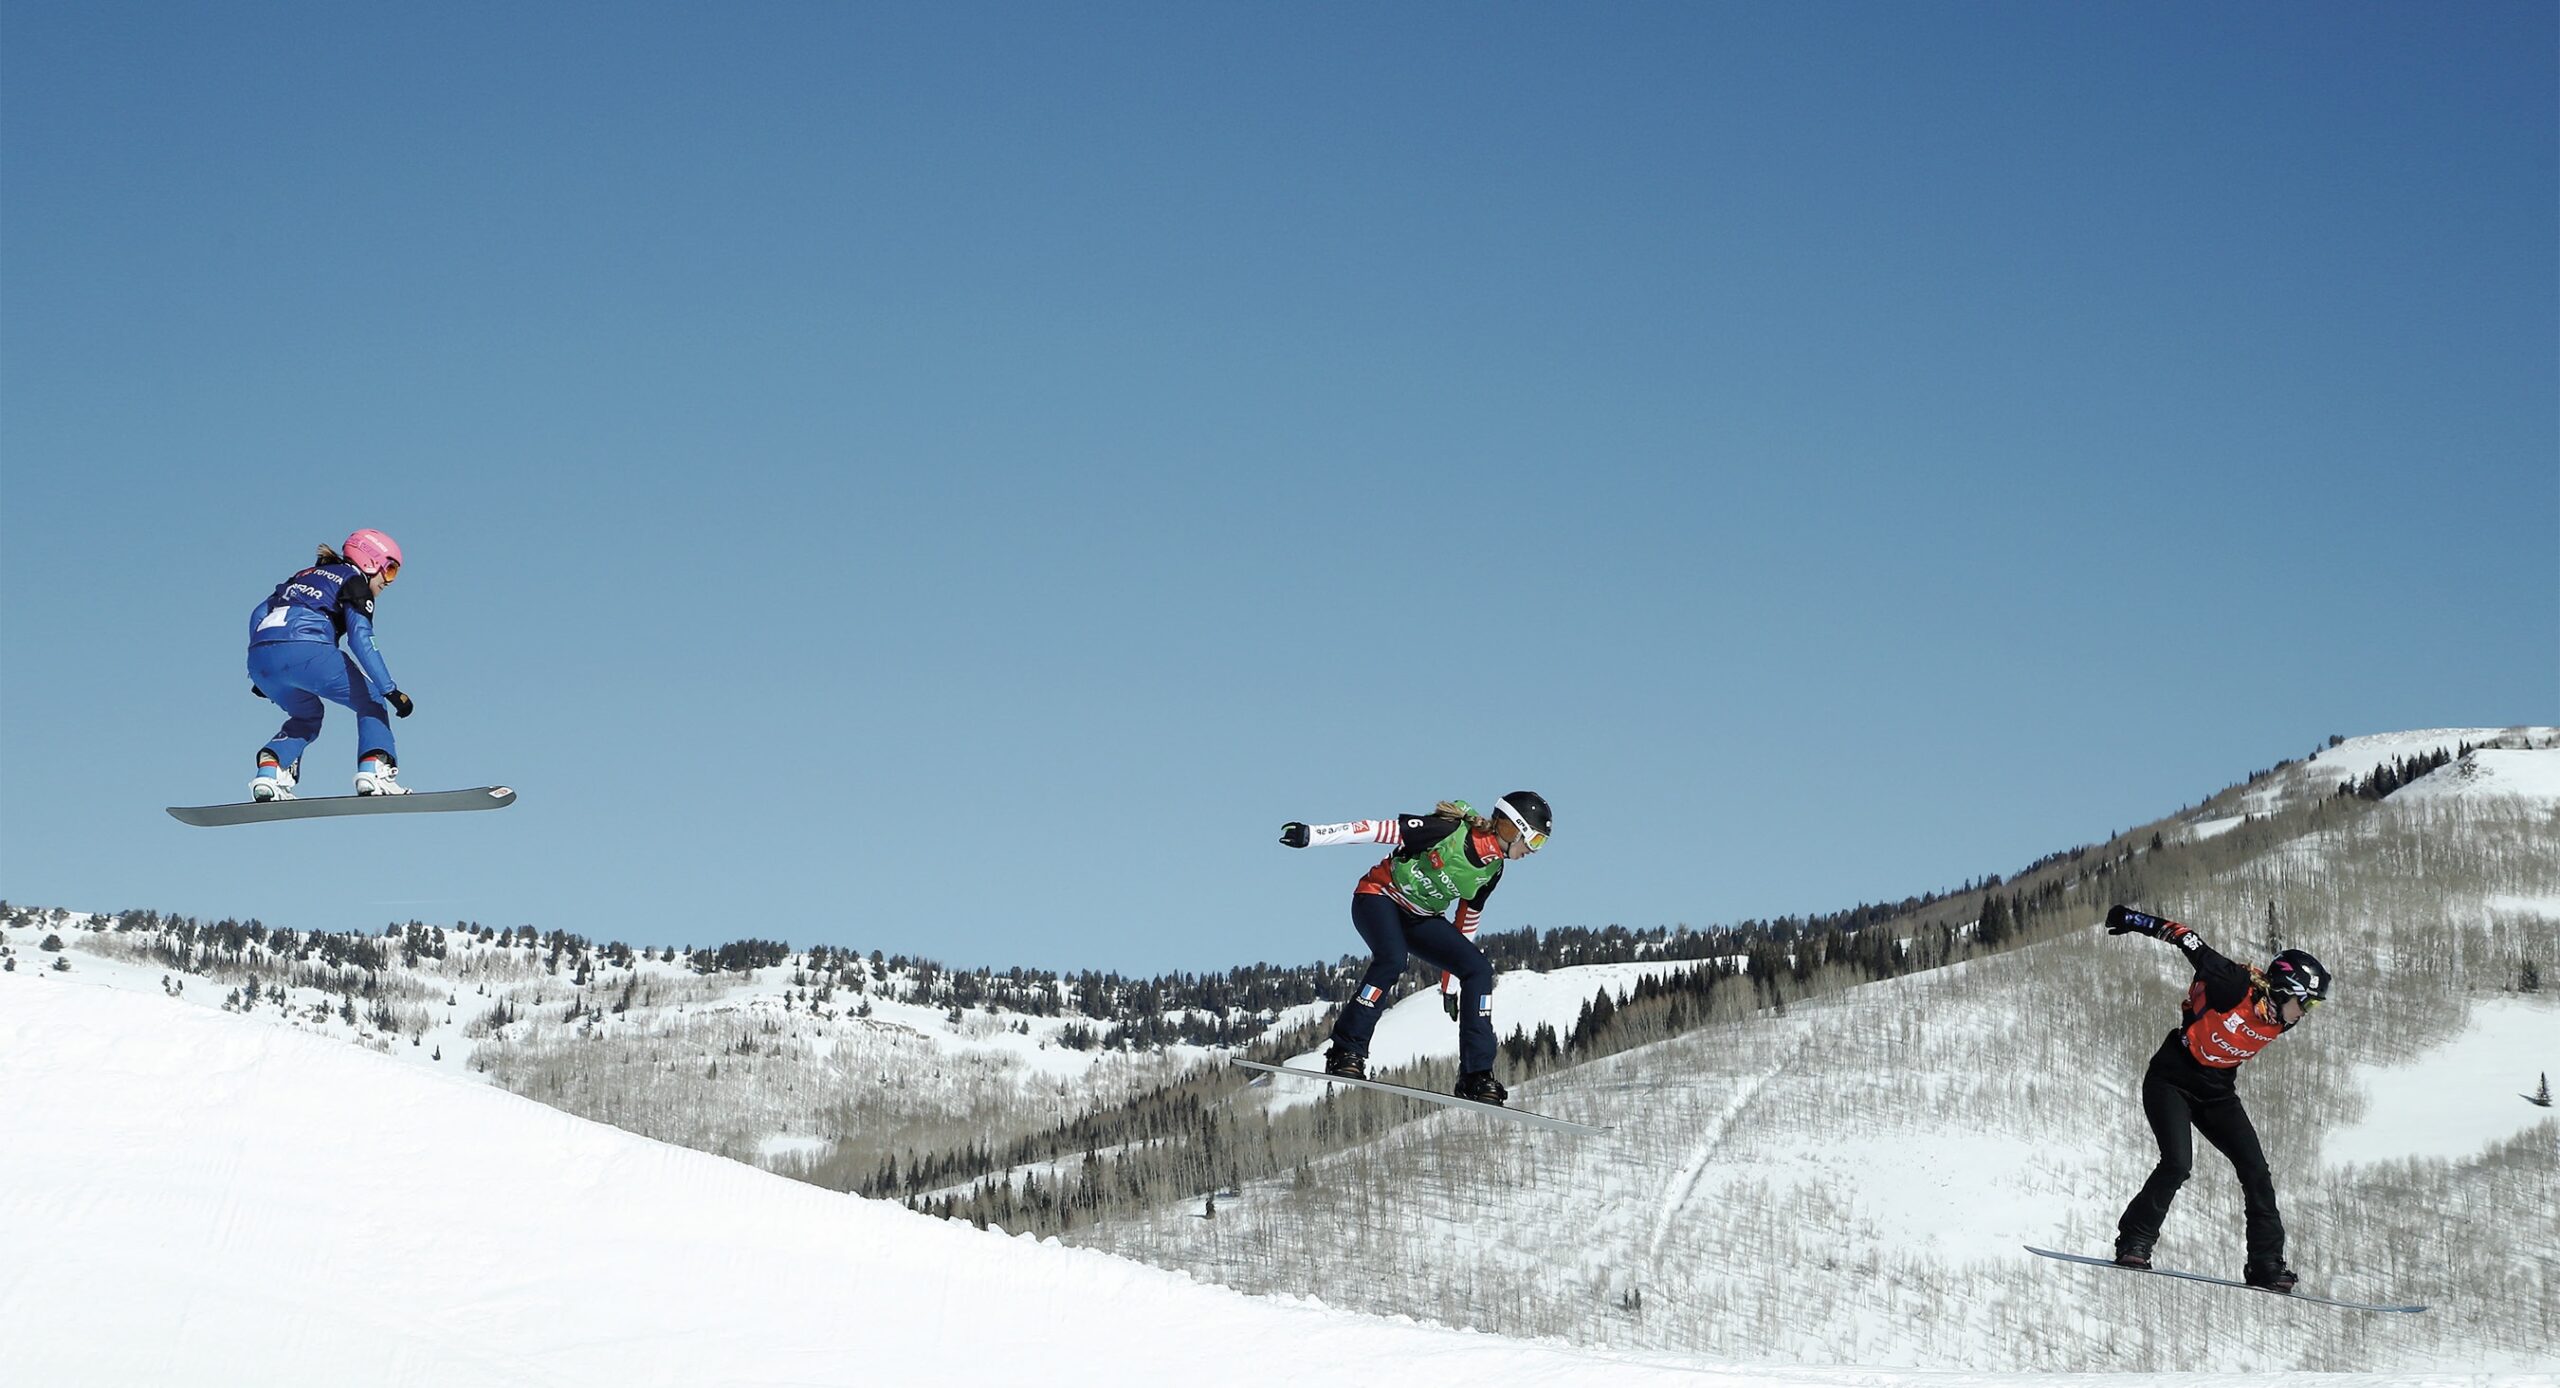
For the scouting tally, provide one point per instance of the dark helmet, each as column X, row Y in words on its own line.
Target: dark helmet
column 1529, row 810
column 2295, row 974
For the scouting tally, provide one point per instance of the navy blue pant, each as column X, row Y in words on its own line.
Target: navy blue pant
column 298, row 675
column 1394, row 934
column 2173, row 1112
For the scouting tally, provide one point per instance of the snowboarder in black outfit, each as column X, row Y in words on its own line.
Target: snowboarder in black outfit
column 2231, row 1012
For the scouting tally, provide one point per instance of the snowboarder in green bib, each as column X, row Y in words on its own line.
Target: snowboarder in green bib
column 1449, row 857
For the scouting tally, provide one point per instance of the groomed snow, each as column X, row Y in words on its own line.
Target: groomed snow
column 2461, row 1098
column 2359, row 757
column 2518, row 775
column 189, row 1197
column 2215, row 828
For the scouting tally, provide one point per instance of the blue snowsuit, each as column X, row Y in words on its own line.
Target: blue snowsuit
column 294, row 658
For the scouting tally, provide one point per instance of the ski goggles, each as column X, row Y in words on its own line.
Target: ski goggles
column 2302, row 1003
column 1532, row 838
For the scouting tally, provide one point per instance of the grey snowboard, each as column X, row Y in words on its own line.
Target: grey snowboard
column 1535, row 1120
column 2219, row 1282
column 323, row 806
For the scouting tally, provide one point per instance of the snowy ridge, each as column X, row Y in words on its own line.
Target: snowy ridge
column 440, row 999
column 444, row 1014
column 2358, row 757
column 2509, row 773
column 536, row 1023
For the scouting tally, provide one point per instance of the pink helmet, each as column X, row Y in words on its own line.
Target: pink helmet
column 372, row 551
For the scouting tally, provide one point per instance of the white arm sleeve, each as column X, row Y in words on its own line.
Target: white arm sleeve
column 1357, row 831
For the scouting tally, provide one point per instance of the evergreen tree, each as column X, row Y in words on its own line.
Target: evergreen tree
column 1996, row 927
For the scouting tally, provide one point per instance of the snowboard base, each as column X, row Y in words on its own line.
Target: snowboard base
column 1534, row 1120
column 330, row 806
column 2221, row 1282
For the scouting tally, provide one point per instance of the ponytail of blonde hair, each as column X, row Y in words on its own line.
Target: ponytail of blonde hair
column 1463, row 812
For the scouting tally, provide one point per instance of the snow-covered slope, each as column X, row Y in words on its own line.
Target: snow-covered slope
column 192, row 1198
column 445, row 1003
column 781, row 1063
column 1849, row 1181
column 2458, row 1099
column 212, row 1194
column 1419, row 1027
column 2507, row 773
column 2358, row 757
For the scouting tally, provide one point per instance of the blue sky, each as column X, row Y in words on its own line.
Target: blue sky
column 954, row 478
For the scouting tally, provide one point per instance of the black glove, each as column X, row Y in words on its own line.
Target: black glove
column 2124, row 920
column 1449, row 1004
column 400, row 703
column 254, row 689
column 1294, row 834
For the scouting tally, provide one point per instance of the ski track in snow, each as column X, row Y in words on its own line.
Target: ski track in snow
column 1684, row 1186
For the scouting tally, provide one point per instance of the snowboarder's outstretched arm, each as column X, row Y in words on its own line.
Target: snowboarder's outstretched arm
column 2124, row 920
column 1413, row 833
column 2209, row 965
column 1297, row 835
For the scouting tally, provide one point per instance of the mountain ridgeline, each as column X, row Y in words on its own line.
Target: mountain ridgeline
column 1226, row 1008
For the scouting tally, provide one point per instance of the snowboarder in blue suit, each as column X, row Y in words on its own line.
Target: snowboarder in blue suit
column 294, row 659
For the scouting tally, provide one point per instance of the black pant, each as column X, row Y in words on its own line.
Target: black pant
column 1394, row 934
column 2173, row 1109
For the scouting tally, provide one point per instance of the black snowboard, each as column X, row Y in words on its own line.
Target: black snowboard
column 326, row 806
column 2219, row 1282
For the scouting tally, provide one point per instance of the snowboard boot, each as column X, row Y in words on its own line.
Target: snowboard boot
column 2271, row 1277
column 375, row 775
column 1481, row 1086
column 274, row 780
column 2133, row 1253
column 1345, row 1064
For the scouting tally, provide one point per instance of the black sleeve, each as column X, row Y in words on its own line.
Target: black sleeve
column 357, row 592
column 1485, row 893
column 2225, row 983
